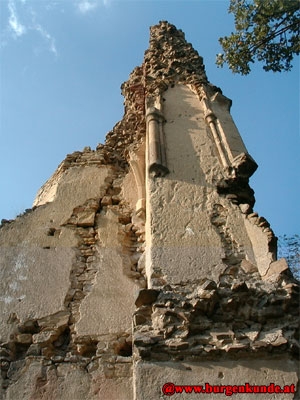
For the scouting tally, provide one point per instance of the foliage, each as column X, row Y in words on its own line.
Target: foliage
column 289, row 247
column 266, row 30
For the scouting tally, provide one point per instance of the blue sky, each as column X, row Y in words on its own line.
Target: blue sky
column 62, row 64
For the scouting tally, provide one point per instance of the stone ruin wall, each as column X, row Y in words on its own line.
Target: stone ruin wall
column 143, row 262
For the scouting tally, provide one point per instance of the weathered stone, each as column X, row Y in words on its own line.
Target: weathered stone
column 239, row 287
column 15, row 370
column 248, row 267
column 24, row 338
column 44, row 337
column 106, row 201
column 146, row 297
column 251, row 334
column 209, row 285
column 177, row 344
column 55, row 321
column 273, row 337
column 244, row 208
column 275, row 269
column 33, row 350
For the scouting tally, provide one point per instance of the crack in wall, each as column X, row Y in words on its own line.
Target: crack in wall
column 234, row 251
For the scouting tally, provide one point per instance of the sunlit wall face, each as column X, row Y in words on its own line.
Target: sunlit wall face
column 61, row 68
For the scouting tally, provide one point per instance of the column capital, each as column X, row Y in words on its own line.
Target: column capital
column 154, row 113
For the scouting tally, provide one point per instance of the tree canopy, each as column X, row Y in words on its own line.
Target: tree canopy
column 289, row 247
column 265, row 30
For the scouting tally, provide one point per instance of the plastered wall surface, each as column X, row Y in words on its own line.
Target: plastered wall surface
column 51, row 280
column 187, row 216
column 104, row 310
column 180, row 228
column 151, row 377
column 36, row 265
column 33, row 277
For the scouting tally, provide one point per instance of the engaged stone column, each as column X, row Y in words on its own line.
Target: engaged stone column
column 212, row 122
column 137, row 163
column 232, row 152
column 156, row 143
column 210, row 119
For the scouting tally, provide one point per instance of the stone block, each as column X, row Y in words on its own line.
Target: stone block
column 276, row 268
column 248, row 267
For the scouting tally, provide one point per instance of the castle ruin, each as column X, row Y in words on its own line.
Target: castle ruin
column 143, row 263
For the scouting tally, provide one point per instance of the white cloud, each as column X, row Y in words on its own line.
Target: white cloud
column 48, row 38
column 85, row 6
column 13, row 21
column 17, row 29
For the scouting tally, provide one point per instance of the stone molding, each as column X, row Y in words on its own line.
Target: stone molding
column 157, row 163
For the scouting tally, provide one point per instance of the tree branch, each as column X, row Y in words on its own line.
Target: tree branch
column 271, row 36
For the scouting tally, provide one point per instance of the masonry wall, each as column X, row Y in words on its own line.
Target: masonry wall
column 207, row 257
column 143, row 262
column 68, row 284
column 184, row 207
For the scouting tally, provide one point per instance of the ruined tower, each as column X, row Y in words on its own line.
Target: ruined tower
column 142, row 262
